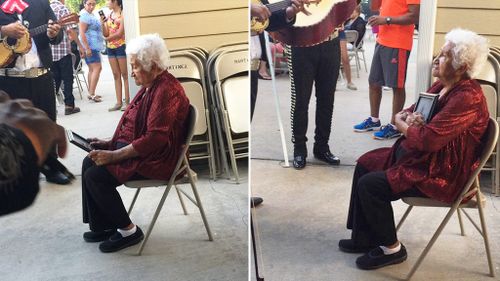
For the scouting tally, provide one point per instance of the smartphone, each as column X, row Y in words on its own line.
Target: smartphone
column 101, row 13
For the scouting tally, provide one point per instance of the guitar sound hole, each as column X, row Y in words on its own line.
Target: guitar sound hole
column 11, row 42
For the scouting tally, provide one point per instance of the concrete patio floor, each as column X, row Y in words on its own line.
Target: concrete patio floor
column 44, row 242
column 304, row 212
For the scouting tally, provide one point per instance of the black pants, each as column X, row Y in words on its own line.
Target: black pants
column 254, row 88
column 371, row 217
column 40, row 91
column 319, row 64
column 102, row 205
column 63, row 72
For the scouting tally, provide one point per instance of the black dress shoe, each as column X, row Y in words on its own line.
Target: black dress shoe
column 98, row 236
column 255, row 201
column 328, row 157
column 117, row 242
column 376, row 258
column 57, row 177
column 349, row 246
column 299, row 162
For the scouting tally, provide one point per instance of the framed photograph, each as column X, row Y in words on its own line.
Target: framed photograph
column 78, row 140
column 426, row 104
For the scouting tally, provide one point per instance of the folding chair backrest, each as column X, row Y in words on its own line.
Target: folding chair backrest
column 489, row 71
column 490, row 93
column 351, row 36
column 489, row 141
column 231, row 74
column 190, row 123
column 188, row 69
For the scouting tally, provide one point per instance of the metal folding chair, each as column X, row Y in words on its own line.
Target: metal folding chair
column 189, row 177
column 471, row 188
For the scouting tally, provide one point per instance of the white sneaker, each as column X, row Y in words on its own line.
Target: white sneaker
column 351, row 86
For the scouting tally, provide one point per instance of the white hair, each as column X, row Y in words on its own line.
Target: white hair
column 469, row 49
column 149, row 49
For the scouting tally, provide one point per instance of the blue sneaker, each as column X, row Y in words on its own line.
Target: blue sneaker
column 367, row 125
column 386, row 132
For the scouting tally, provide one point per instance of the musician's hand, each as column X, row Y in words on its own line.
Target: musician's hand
column 260, row 12
column 14, row 30
column 296, row 7
column 53, row 29
column 376, row 20
column 38, row 128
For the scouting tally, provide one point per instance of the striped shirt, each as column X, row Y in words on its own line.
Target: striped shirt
column 64, row 48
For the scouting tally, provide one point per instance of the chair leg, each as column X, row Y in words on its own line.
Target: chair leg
column 460, row 222
column 155, row 217
column 181, row 200
column 485, row 235
column 497, row 171
column 230, row 147
column 200, row 207
column 431, row 243
column 133, row 201
column 364, row 61
column 407, row 212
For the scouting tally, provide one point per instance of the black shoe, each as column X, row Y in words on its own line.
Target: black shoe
column 98, row 236
column 299, row 162
column 117, row 242
column 71, row 110
column 328, row 157
column 255, row 201
column 57, row 177
column 376, row 259
column 348, row 246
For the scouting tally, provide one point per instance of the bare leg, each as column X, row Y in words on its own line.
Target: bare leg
column 398, row 101
column 345, row 61
column 122, row 63
column 115, row 68
column 263, row 70
column 94, row 72
column 375, row 99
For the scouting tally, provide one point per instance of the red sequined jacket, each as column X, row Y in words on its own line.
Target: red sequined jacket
column 441, row 155
column 157, row 123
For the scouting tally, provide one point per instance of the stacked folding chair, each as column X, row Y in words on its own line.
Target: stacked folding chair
column 229, row 98
column 188, row 66
column 489, row 78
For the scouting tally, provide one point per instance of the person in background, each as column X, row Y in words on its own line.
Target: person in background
column 92, row 42
column 63, row 62
column 114, row 34
column 396, row 22
column 346, row 65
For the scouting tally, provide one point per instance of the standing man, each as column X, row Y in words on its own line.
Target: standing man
column 62, row 68
column 319, row 64
column 277, row 20
column 396, row 24
column 28, row 75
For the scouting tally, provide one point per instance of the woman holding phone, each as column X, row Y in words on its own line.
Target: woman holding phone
column 92, row 41
column 114, row 34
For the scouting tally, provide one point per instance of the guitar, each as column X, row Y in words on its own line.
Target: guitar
column 315, row 28
column 10, row 48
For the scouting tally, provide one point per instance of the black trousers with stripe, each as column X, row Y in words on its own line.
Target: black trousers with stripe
column 318, row 65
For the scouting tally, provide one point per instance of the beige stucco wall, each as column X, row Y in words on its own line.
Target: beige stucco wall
column 481, row 16
column 202, row 23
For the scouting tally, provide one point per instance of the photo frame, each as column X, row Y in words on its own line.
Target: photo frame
column 426, row 104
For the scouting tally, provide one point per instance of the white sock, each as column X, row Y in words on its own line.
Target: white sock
column 374, row 119
column 388, row 251
column 127, row 232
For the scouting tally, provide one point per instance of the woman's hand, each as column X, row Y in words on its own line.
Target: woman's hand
column 88, row 52
column 415, row 119
column 104, row 157
column 98, row 143
column 400, row 121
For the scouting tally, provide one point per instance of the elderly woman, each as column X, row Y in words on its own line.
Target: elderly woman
column 146, row 144
column 430, row 160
